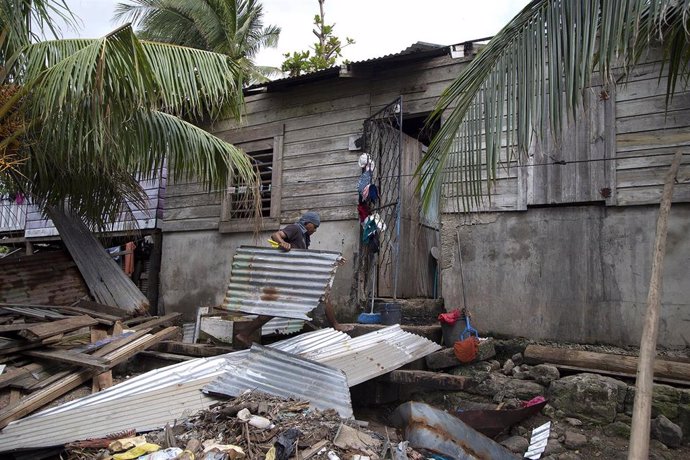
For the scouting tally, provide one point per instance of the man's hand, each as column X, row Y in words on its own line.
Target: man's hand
column 341, row 261
column 285, row 245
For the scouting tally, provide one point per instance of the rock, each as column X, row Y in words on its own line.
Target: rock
column 519, row 430
column 574, row 440
column 573, row 421
column 620, row 429
column 544, row 374
column 590, row 397
column 596, row 440
column 666, row 401
column 517, row 359
column 520, row 373
column 553, row 447
column 666, row 431
column 684, row 422
column 508, row 367
column 549, row 411
column 569, row 456
column 495, row 365
column 478, row 372
column 516, row 444
column 510, row 388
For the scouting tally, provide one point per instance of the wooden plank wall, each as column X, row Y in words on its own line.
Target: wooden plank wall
column 319, row 171
column 647, row 136
column 582, row 148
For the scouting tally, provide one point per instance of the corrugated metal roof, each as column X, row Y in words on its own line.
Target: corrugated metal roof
column 419, row 50
column 145, row 402
column 287, row 375
column 266, row 281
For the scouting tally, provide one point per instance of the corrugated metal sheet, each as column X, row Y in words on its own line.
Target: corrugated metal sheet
column 374, row 354
column 282, row 326
column 266, row 281
column 145, row 402
column 45, row 278
column 287, row 375
column 419, row 50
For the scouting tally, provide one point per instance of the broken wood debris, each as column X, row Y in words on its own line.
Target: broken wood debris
column 48, row 350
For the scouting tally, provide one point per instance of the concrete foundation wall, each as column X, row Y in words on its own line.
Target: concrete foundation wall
column 196, row 266
column 576, row 274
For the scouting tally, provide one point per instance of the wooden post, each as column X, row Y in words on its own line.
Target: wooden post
column 642, row 408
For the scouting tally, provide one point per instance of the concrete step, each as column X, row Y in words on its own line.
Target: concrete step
column 417, row 312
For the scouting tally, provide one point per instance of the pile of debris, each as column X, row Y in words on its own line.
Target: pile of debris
column 48, row 350
column 253, row 425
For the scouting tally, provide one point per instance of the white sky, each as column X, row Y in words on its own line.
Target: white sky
column 379, row 27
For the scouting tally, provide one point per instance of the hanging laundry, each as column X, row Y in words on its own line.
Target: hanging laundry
column 364, row 180
column 129, row 258
column 363, row 211
column 366, row 163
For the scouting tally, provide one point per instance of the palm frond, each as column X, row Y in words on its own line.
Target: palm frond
column 530, row 77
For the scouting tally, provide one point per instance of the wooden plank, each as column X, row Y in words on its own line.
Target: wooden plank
column 428, row 380
column 42, row 397
column 536, row 354
column 45, row 330
column 192, row 349
column 10, row 375
column 75, row 359
column 99, row 334
column 160, row 321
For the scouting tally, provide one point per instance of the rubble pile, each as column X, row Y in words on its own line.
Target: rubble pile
column 253, row 426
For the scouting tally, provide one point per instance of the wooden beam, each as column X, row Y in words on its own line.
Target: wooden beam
column 74, row 359
column 427, row 379
column 642, row 407
column 44, row 330
column 603, row 361
column 192, row 349
column 160, row 321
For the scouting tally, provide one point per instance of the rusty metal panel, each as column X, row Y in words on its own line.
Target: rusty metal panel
column 429, row 428
column 284, row 374
column 271, row 282
column 46, row 278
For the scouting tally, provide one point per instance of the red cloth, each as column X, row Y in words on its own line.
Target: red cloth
column 363, row 211
column 534, row 401
column 466, row 350
column 450, row 317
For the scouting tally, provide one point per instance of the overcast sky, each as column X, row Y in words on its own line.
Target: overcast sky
column 379, row 27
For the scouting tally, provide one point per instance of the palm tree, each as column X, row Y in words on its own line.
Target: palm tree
column 231, row 27
column 528, row 79
column 531, row 76
column 81, row 119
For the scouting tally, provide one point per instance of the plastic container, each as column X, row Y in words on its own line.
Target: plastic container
column 451, row 332
column 390, row 313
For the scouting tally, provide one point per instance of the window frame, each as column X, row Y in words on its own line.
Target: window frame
column 254, row 140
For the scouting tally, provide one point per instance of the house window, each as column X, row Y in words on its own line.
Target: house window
column 242, row 204
column 265, row 147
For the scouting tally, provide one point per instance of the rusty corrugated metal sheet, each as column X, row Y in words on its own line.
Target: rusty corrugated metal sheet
column 287, row 375
column 271, row 282
column 45, row 278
